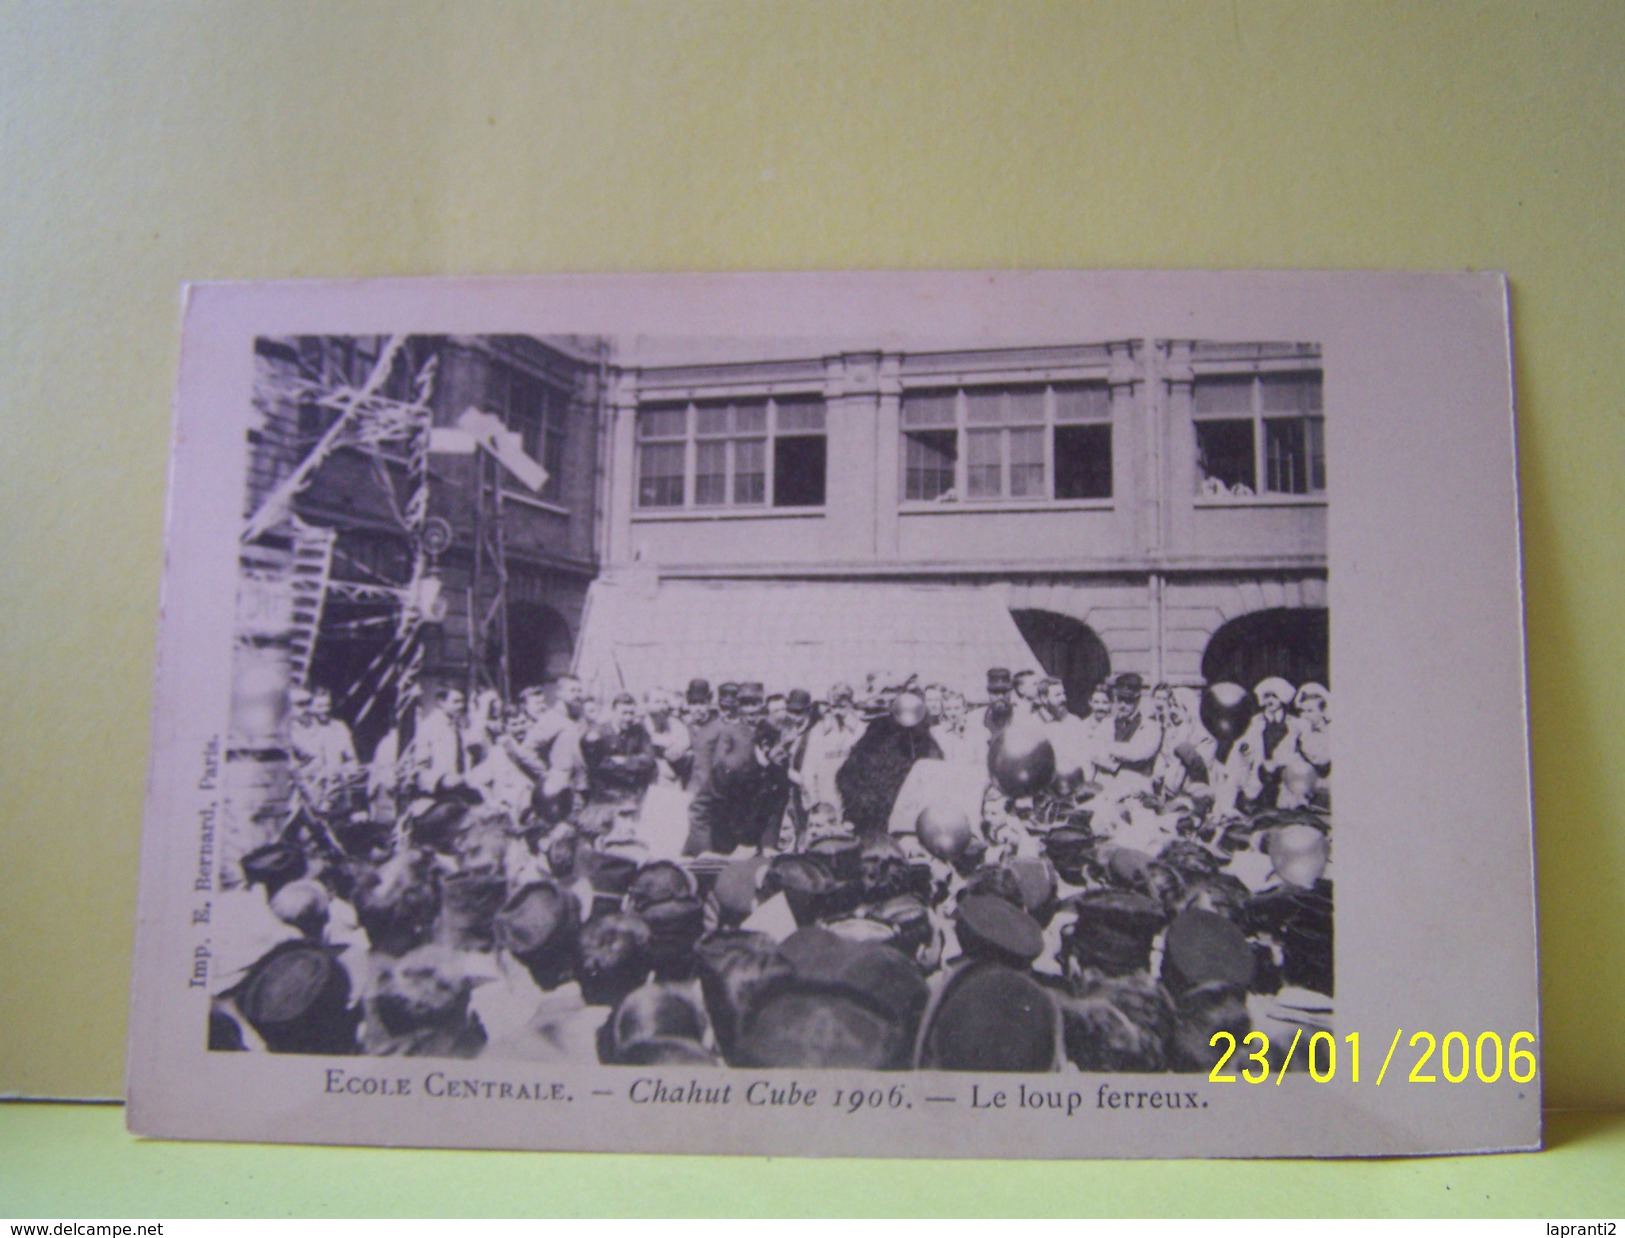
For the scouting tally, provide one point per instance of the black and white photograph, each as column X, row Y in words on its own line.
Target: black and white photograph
column 885, row 730
column 702, row 702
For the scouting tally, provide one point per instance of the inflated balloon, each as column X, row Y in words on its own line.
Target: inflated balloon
column 1226, row 710
column 944, row 830
column 1297, row 785
column 1021, row 759
column 733, row 758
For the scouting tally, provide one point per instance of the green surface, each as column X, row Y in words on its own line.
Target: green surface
column 145, row 144
column 76, row 1161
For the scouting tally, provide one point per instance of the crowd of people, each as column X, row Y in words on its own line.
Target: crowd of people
column 888, row 877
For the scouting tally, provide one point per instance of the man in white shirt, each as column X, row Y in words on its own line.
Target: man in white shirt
column 440, row 758
column 550, row 751
column 670, row 738
column 828, row 743
column 323, row 750
column 1069, row 735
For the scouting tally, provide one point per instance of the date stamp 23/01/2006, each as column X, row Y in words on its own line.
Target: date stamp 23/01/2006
column 1486, row 1058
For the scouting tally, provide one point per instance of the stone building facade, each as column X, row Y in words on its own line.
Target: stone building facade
column 1156, row 506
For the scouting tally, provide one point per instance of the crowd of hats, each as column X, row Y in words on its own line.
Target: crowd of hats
column 947, row 948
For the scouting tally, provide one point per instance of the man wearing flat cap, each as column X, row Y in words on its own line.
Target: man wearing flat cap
column 1000, row 685
column 727, row 777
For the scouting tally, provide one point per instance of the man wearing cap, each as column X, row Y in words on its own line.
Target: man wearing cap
column 752, row 701
column 727, row 776
column 1135, row 740
column 534, row 1009
column 418, row 1006
column 999, row 709
column 986, row 1016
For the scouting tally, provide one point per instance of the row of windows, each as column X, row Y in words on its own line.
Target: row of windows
column 732, row 453
column 1255, row 434
column 1027, row 442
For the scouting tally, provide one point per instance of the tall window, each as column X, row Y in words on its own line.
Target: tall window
column 537, row 412
column 1026, row 441
column 732, row 453
column 662, row 449
column 930, row 444
column 1260, row 434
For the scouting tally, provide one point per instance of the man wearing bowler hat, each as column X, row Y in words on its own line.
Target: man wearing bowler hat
column 704, row 721
column 787, row 754
column 1136, row 739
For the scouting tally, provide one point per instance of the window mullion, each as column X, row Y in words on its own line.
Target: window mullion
column 1048, row 435
column 962, row 446
column 770, row 451
column 1261, row 463
column 691, row 457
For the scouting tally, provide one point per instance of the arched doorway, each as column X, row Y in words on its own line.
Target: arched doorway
column 1291, row 643
column 539, row 644
column 1067, row 649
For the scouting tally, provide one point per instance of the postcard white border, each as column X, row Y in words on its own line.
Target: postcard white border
column 1435, row 920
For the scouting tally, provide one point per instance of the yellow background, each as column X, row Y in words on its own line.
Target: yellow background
column 144, row 145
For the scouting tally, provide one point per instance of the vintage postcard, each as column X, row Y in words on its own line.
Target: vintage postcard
column 843, row 714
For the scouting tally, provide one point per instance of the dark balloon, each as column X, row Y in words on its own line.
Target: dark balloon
column 1021, row 759
column 1226, row 710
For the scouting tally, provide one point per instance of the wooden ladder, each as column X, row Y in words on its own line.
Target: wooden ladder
column 309, row 573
